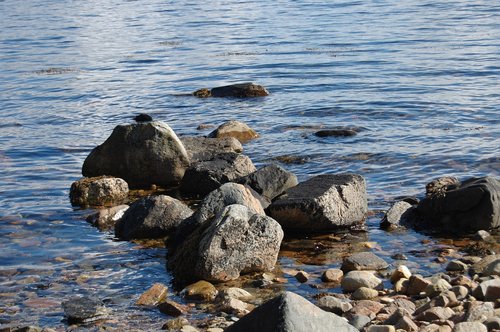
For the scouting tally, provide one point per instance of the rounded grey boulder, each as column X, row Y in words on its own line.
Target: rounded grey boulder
column 98, row 191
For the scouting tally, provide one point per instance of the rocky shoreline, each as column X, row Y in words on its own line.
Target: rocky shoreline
column 223, row 222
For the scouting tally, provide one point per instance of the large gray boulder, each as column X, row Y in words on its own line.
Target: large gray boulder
column 151, row 217
column 203, row 177
column 322, row 203
column 236, row 241
column 474, row 205
column 270, row 181
column 98, row 191
column 201, row 148
column 241, row 90
column 142, row 154
column 290, row 312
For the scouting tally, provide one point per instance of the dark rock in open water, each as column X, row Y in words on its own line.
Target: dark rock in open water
column 242, row 90
column 98, row 191
column 152, row 217
column 322, row 203
column 142, row 154
column 472, row 206
column 290, row 312
column 335, row 133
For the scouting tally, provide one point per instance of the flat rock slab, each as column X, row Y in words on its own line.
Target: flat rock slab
column 98, row 191
column 142, row 154
column 205, row 176
column 270, row 181
column 241, row 90
column 84, row 310
column 201, row 148
column 363, row 261
column 290, row 312
column 322, row 203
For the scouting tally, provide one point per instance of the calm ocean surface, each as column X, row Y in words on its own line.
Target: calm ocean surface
column 419, row 78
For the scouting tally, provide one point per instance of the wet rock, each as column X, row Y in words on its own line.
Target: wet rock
column 241, row 90
column 332, row 275
column 381, row 328
column 333, row 304
column 175, row 324
column 302, row 276
column 292, row 313
column 401, row 272
column 398, row 214
column 488, row 290
column 340, row 132
column 201, row 148
column 105, row 219
column 364, row 293
column 356, row 279
column 363, row 261
column 236, row 129
column 324, row 202
column 456, row 266
column 200, row 291
column 270, row 181
column 236, row 241
column 479, row 311
column 154, row 295
column 206, row 176
column 489, row 265
column 469, row 327
column 173, row 308
column 436, row 313
column 416, row 285
column 142, row 154
column 98, row 191
column 152, row 217
column 84, row 310
column 473, row 206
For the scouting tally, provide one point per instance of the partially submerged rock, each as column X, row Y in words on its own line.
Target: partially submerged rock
column 236, row 129
column 322, row 203
column 399, row 213
column 201, row 148
column 339, row 132
column 236, row 241
column 154, row 295
column 81, row 310
column 152, row 217
column 98, row 191
column 472, row 206
column 205, row 176
column 242, row 90
column 290, row 312
column 356, row 279
column 200, row 291
column 105, row 219
column 142, row 154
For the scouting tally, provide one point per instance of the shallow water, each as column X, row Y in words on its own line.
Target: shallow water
column 419, row 78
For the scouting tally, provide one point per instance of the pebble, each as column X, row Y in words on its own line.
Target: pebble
column 200, row 291
column 302, row 276
column 332, row 275
column 456, row 266
column 381, row 328
column 154, row 295
column 364, row 293
column 401, row 271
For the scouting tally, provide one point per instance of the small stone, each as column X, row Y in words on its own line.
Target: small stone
column 492, row 323
column 333, row 304
column 356, row 279
column 399, row 257
column 417, row 284
column 364, row 293
column 482, row 235
column 236, row 129
column 200, row 291
column 396, row 215
column 98, row 191
column 488, row 290
column 462, row 281
column 436, row 288
column 332, row 275
column 359, row 321
column 106, row 219
column 302, row 276
column 479, row 311
column 456, row 266
column 406, row 324
column 189, row 328
column 401, row 286
column 461, row 292
column 235, row 293
column 436, row 313
column 366, row 307
column 175, row 324
column 381, row 328
column 173, row 308
column 154, row 295
column 84, row 310
column 363, row 261
column 470, row 327
column 401, row 272
column 234, row 306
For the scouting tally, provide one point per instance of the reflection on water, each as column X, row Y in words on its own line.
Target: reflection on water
column 419, row 79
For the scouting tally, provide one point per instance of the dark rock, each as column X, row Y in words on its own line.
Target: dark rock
column 105, row 219
column 236, row 241
column 360, row 321
column 84, row 310
column 270, row 181
column 336, row 132
column 363, row 261
column 400, row 257
column 98, row 191
column 324, row 202
column 203, row 148
column 152, row 217
column 290, row 312
column 397, row 215
column 173, row 308
column 473, row 206
column 205, row 176
column 239, row 130
column 242, row 90
column 143, row 117
column 142, row 154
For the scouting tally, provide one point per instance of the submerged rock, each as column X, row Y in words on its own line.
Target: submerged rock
column 203, row 148
column 205, row 176
column 290, row 312
column 363, row 261
column 270, row 181
column 98, row 191
column 236, row 241
column 142, row 154
column 473, row 206
column 322, row 203
column 105, row 219
column 239, row 130
column 152, row 217
column 84, row 310
column 242, row 90
column 344, row 132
